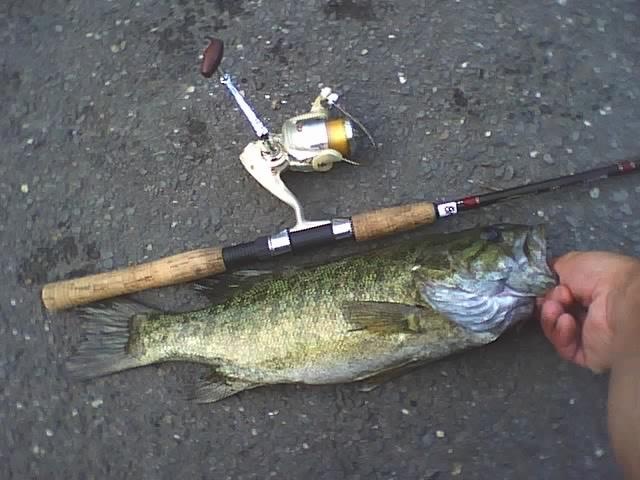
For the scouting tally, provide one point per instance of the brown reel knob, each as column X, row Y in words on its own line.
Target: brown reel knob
column 212, row 57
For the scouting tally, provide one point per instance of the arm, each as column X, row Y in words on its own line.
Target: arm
column 624, row 383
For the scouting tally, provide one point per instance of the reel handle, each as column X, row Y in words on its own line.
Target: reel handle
column 212, row 57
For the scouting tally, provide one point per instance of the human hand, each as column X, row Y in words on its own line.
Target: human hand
column 580, row 315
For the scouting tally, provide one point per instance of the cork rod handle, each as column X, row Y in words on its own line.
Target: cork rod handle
column 184, row 267
column 387, row 221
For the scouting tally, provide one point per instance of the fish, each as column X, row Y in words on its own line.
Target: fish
column 365, row 318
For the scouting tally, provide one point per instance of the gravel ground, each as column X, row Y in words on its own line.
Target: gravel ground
column 116, row 151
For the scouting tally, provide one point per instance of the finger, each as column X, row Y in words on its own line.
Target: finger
column 562, row 295
column 549, row 314
column 564, row 338
column 580, row 275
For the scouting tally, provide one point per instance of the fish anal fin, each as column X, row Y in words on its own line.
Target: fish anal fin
column 215, row 388
column 383, row 317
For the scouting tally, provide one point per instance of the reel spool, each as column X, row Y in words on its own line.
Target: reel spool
column 318, row 139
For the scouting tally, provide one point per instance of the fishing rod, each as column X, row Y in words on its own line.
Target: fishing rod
column 310, row 142
column 206, row 262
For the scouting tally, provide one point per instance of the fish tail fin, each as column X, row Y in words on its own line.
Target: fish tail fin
column 104, row 347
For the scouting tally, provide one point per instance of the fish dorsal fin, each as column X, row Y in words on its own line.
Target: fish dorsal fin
column 383, row 317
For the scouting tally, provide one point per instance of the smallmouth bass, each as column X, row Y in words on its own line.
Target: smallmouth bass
column 361, row 318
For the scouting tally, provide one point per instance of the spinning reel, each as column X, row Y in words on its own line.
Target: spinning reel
column 310, row 142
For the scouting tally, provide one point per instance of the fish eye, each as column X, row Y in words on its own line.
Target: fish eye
column 491, row 234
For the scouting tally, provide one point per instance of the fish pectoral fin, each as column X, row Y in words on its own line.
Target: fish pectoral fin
column 383, row 317
column 215, row 388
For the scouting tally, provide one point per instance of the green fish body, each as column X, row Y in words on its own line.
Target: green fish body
column 360, row 318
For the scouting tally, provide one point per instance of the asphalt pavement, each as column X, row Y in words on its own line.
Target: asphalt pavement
column 115, row 151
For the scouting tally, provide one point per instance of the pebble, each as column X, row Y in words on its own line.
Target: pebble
column 402, row 78
column 534, row 153
column 24, row 188
column 599, row 452
column 364, row 51
column 48, row 433
column 427, row 440
column 191, row 89
column 573, row 221
column 149, row 247
column 457, row 469
column 97, row 403
column 548, row 159
column 119, row 47
column 405, row 411
column 555, row 141
column 620, row 196
column 626, row 209
column 594, row 193
column 440, row 434
column 509, row 172
column 487, row 133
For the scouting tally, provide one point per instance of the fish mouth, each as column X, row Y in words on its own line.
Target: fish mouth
column 534, row 275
